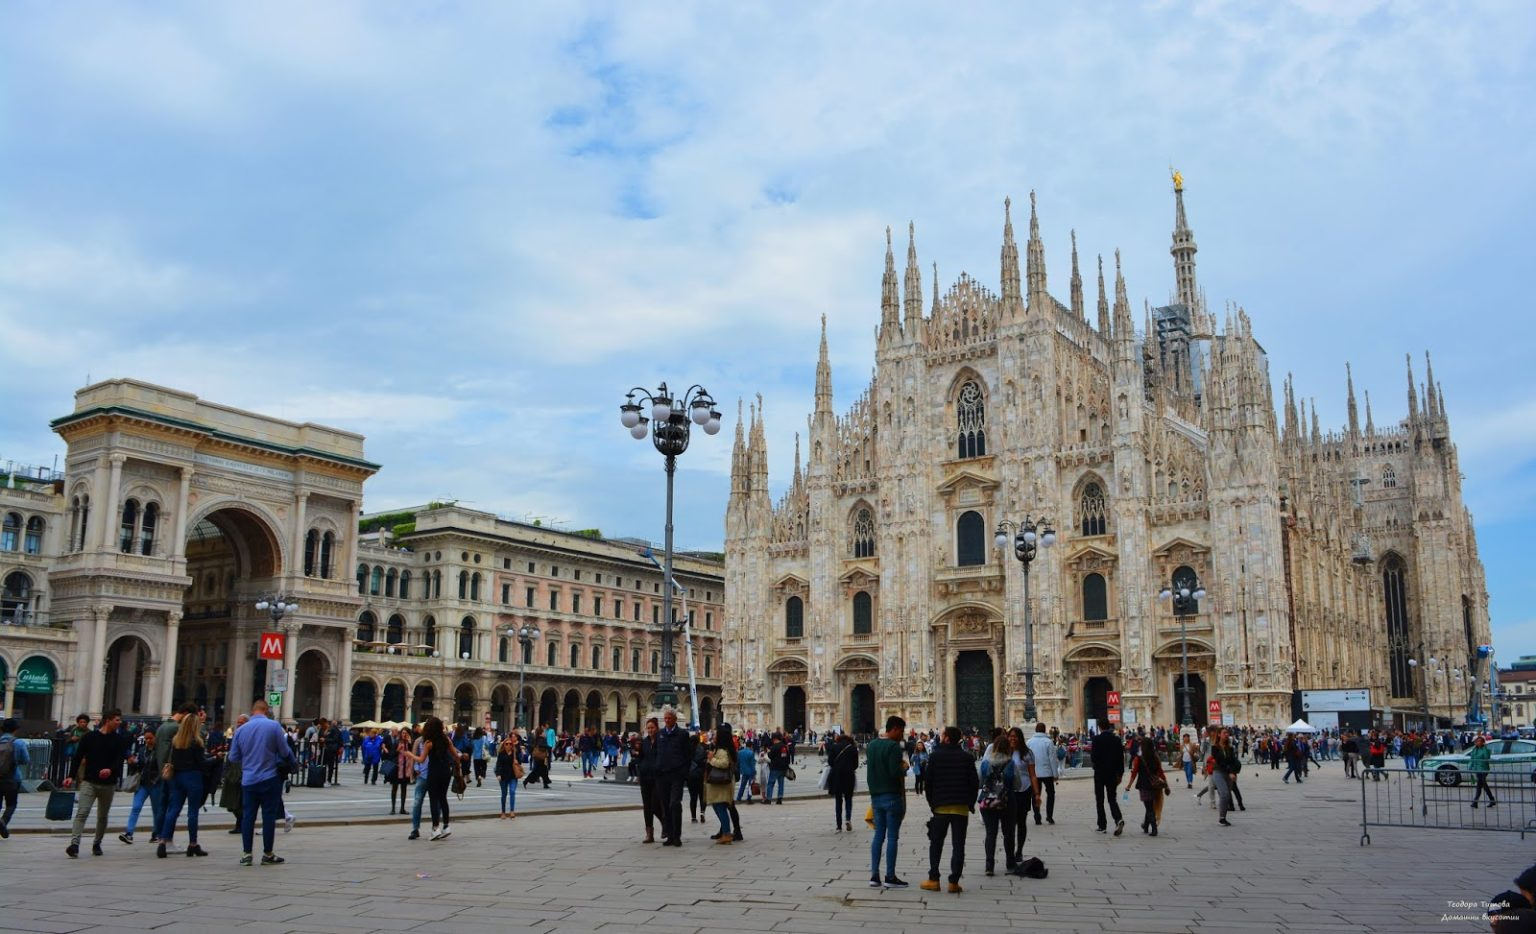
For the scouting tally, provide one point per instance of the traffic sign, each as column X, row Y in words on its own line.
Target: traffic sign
column 271, row 646
column 1215, row 711
column 278, row 678
column 1112, row 698
column 1114, row 715
column 275, row 698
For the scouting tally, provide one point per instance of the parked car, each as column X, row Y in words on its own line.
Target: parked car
column 1512, row 760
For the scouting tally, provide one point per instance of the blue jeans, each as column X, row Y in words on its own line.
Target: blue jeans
column 774, row 778
column 588, row 762
column 421, row 794
column 744, row 788
column 1189, row 772
column 889, row 809
column 268, row 796
column 152, row 794
column 508, row 794
column 1411, row 763
column 723, row 813
column 186, row 788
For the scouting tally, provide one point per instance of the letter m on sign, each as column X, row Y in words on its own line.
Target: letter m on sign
column 271, row 645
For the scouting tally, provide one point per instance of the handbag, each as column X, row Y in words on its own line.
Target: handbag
column 388, row 768
column 789, row 773
column 167, row 772
column 459, row 785
column 130, row 782
column 825, row 778
column 756, row 788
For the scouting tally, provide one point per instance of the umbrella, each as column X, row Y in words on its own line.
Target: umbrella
column 1301, row 726
column 365, row 725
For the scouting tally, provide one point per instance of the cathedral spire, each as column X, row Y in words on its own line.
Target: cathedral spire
column 1292, row 424
column 1103, row 301
column 1077, row 283
column 1413, row 393
column 914, row 286
column 795, row 481
column 1370, row 423
column 890, row 310
column 739, row 455
column 1183, row 248
column 1012, row 301
column 1317, row 433
column 1354, row 413
column 1431, row 403
column 1036, row 260
column 823, row 374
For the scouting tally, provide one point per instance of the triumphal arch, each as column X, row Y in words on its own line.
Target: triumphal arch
column 180, row 515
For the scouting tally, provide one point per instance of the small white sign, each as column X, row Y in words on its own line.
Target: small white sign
column 1229, row 719
column 277, row 679
column 1129, row 716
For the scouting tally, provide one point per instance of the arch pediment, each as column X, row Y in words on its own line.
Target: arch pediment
column 791, row 585
column 1091, row 558
column 1093, row 652
column 964, row 480
column 858, row 661
column 1171, row 649
column 1180, row 545
column 785, row 665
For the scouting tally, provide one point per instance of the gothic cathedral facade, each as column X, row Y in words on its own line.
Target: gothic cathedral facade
column 873, row 586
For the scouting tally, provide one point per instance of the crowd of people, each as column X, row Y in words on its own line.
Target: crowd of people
column 1007, row 776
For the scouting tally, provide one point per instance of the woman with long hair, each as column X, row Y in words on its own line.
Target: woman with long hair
column 999, row 781
column 396, row 749
column 721, row 772
column 695, row 780
column 442, row 765
column 1151, row 784
column 843, row 760
column 509, row 768
column 1025, row 797
column 1188, row 753
column 185, row 766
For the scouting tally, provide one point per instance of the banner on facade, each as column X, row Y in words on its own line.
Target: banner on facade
column 271, row 646
column 35, row 676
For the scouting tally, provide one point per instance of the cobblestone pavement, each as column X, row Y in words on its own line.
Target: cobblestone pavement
column 1292, row 862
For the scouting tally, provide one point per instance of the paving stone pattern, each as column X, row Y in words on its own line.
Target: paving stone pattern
column 1292, row 862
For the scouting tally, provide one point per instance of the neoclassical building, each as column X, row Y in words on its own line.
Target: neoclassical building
column 130, row 579
column 873, row 587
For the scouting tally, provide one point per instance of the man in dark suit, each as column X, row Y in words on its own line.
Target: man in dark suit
column 673, row 758
column 1108, row 756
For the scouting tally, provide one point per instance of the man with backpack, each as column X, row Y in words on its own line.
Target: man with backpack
column 13, row 756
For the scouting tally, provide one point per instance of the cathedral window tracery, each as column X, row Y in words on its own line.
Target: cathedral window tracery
column 1399, row 635
column 1092, row 513
column 971, row 419
column 1388, row 477
column 864, row 533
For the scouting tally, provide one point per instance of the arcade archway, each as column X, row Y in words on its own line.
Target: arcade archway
column 127, row 687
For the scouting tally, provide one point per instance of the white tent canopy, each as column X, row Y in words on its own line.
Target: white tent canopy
column 1301, row 726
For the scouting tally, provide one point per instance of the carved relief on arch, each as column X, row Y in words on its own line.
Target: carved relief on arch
column 856, row 580
column 1181, row 552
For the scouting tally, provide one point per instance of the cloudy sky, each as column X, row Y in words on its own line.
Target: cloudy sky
column 466, row 229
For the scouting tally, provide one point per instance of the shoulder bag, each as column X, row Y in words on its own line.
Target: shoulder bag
column 716, row 775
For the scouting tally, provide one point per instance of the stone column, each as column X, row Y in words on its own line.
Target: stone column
column 152, row 684
column 91, row 536
column 183, row 497
column 343, row 706
column 10, row 695
column 351, row 543
column 378, row 705
column 95, row 702
column 300, row 507
column 237, row 689
column 290, row 657
column 111, row 518
column 328, row 694
column 168, row 660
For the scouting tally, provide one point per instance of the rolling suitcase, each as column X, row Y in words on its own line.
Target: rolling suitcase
column 315, row 776
column 61, row 805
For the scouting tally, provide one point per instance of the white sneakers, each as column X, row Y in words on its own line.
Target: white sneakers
column 288, row 822
column 440, row 834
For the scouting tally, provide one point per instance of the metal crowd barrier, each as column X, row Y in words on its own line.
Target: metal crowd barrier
column 1416, row 799
column 39, row 763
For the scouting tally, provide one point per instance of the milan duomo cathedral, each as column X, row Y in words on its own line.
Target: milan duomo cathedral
column 873, row 586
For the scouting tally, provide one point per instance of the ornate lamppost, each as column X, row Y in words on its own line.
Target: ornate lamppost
column 1186, row 594
column 525, row 634
column 670, row 423
column 1029, row 536
column 280, row 605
